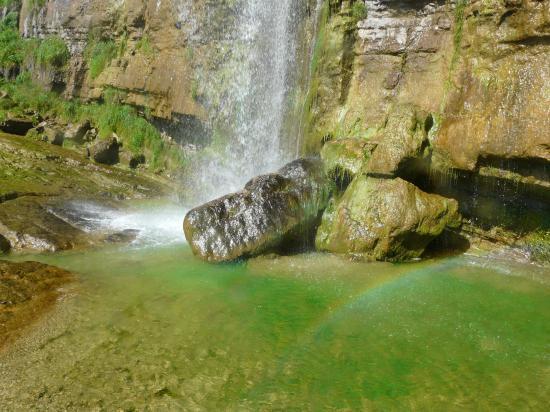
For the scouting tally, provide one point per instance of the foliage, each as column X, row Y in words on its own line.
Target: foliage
column 109, row 116
column 52, row 52
column 144, row 45
column 359, row 10
column 538, row 244
column 99, row 53
column 11, row 46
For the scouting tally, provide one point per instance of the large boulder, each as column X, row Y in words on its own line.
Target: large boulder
column 385, row 219
column 273, row 211
column 105, row 151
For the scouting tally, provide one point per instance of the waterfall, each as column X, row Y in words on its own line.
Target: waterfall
column 249, row 59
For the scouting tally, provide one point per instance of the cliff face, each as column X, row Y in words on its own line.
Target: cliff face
column 479, row 73
column 139, row 47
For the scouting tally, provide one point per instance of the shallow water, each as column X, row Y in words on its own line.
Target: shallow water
column 153, row 328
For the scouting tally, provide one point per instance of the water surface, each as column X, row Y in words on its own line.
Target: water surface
column 152, row 328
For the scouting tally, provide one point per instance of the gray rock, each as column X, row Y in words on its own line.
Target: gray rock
column 273, row 211
column 77, row 132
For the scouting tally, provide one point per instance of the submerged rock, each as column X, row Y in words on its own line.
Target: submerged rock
column 385, row 219
column 273, row 211
column 28, row 224
column 105, row 151
column 26, row 290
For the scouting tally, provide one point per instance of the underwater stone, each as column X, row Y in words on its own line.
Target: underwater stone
column 272, row 211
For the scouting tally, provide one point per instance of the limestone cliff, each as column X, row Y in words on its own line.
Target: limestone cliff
column 140, row 47
column 478, row 71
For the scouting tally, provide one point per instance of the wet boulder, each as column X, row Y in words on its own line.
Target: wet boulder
column 272, row 211
column 385, row 219
column 105, row 151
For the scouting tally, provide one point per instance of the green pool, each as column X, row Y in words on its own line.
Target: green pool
column 155, row 329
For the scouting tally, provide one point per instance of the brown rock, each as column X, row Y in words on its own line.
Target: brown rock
column 385, row 219
column 27, row 289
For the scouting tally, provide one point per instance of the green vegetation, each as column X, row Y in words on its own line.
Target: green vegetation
column 538, row 243
column 108, row 117
column 99, row 53
column 144, row 45
column 52, row 52
column 359, row 11
column 11, row 45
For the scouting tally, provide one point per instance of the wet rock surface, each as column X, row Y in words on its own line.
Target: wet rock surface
column 40, row 181
column 273, row 210
column 385, row 219
column 402, row 140
column 27, row 289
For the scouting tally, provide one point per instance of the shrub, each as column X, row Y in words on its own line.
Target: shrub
column 99, row 55
column 53, row 52
column 359, row 10
column 11, row 45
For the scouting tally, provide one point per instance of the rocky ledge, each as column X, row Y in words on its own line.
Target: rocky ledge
column 39, row 182
column 27, row 289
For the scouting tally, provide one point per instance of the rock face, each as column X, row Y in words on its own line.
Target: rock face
column 26, row 290
column 401, row 141
column 500, row 105
column 139, row 37
column 453, row 94
column 273, row 210
column 345, row 157
column 385, row 219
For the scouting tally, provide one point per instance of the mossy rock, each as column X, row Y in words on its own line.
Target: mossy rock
column 385, row 219
column 345, row 157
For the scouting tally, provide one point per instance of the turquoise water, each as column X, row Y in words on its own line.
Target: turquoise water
column 155, row 329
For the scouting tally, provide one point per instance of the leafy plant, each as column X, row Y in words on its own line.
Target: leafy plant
column 359, row 10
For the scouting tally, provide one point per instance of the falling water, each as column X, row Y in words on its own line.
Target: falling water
column 247, row 80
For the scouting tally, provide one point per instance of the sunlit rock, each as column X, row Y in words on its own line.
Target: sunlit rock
column 385, row 219
column 272, row 211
